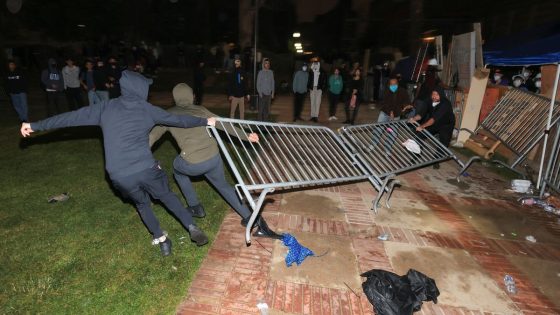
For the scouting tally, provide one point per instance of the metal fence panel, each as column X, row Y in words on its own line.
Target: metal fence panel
column 519, row 120
column 381, row 147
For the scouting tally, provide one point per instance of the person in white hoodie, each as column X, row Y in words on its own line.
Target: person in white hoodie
column 265, row 88
column 71, row 76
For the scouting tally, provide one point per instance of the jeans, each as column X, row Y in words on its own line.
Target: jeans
column 93, row 98
column 299, row 98
column 351, row 118
column 19, row 101
column 213, row 170
column 74, row 97
column 391, row 133
column 53, row 105
column 264, row 107
column 103, row 95
column 334, row 99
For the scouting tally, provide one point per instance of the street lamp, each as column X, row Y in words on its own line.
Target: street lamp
column 299, row 51
column 296, row 35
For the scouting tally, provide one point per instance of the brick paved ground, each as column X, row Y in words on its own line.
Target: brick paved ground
column 234, row 278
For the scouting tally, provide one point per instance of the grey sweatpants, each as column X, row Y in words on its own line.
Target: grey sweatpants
column 213, row 170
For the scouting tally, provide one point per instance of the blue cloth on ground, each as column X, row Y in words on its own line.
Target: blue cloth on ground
column 296, row 252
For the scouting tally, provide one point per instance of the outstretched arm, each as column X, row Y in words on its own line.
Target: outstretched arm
column 161, row 117
column 85, row 116
column 156, row 134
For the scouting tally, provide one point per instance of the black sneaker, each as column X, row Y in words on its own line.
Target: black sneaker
column 197, row 211
column 197, row 235
column 165, row 247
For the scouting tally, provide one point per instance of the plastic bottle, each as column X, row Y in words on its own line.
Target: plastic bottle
column 510, row 284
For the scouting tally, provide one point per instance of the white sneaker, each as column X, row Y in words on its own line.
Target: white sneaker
column 334, row 118
column 331, row 118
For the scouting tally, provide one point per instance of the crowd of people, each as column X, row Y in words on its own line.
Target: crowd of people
column 525, row 78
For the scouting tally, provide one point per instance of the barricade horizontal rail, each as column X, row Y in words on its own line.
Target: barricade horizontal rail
column 381, row 147
column 552, row 175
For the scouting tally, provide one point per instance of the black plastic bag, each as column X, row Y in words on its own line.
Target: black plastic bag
column 392, row 294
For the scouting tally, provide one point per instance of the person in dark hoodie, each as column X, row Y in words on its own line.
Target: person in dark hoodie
column 199, row 79
column 16, row 87
column 440, row 120
column 126, row 123
column 101, row 80
column 200, row 156
column 54, row 85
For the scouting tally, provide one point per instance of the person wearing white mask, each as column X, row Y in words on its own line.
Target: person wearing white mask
column 537, row 83
column 519, row 82
column 499, row 79
column 299, row 86
column 316, row 83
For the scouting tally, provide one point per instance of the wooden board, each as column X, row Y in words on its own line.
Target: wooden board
column 474, row 102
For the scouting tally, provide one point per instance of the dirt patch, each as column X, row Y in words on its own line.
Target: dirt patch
column 461, row 185
column 494, row 222
column 406, row 215
column 546, row 277
column 313, row 204
column 331, row 270
column 458, row 277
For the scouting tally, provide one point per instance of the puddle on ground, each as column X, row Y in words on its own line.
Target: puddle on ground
column 312, row 204
column 461, row 185
column 546, row 277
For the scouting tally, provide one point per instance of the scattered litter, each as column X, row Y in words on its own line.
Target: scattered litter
column 513, row 234
column 296, row 252
column 182, row 237
column 263, row 307
column 465, row 174
column 174, row 268
column 393, row 294
column 530, row 201
column 58, row 198
column 470, row 216
column 510, row 284
column 502, row 234
column 383, row 237
column 522, row 252
column 520, row 185
column 181, row 242
column 531, row 238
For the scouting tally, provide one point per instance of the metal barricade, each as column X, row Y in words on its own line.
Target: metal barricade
column 286, row 156
column 552, row 176
column 381, row 147
column 519, row 121
column 295, row 156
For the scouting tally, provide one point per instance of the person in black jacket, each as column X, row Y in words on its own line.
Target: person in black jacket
column 440, row 120
column 237, row 90
column 52, row 80
column 316, row 83
column 199, row 78
column 101, row 80
column 355, row 97
column 126, row 123
column 16, row 87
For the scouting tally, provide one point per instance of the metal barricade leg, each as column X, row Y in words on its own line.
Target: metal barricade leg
column 510, row 168
column 390, row 192
column 256, row 210
column 381, row 191
column 467, row 165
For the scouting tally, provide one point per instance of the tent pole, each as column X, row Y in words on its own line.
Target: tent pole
column 550, row 113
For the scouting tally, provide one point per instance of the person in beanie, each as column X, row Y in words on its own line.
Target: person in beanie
column 200, row 156
column 299, row 87
column 52, row 80
column 237, row 90
column 265, row 88
column 16, row 87
column 126, row 123
column 71, row 76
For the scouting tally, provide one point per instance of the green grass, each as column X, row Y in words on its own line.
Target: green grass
column 90, row 254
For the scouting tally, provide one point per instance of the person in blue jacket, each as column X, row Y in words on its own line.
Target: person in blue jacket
column 126, row 122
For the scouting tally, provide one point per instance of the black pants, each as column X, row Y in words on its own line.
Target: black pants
column 74, row 97
column 351, row 114
column 444, row 133
column 298, row 104
column 333, row 103
column 198, row 94
column 152, row 182
column 53, row 103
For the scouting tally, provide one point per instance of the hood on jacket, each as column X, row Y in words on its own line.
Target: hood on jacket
column 52, row 65
column 183, row 95
column 134, row 85
column 441, row 93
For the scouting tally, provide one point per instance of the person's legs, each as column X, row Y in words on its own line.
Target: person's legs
column 318, row 103
column 233, row 106
column 77, row 94
column 264, row 107
column 241, row 108
column 70, row 99
column 50, row 104
column 19, row 102
column 181, row 171
column 298, row 104
column 103, row 95
column 355, row 113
